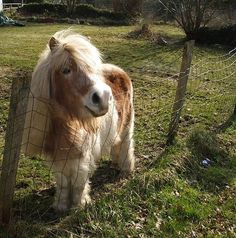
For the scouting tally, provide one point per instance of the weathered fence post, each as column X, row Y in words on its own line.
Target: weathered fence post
column 180, row 91
column 13, row 138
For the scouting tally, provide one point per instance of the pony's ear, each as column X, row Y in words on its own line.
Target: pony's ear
column 52, row 43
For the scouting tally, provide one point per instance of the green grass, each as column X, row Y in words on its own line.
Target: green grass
column 171, row 193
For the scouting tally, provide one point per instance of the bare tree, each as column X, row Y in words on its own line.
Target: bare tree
column 132, row 7
column 190, row 14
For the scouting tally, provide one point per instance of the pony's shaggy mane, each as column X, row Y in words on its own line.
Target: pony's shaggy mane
column 71, row 46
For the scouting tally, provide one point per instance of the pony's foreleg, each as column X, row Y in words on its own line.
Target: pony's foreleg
column 126, row 157
column 123, row 152
column 80, row 187
column 61, row 202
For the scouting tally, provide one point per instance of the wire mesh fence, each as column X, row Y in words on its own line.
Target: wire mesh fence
column 211, row 88
column 212, row 83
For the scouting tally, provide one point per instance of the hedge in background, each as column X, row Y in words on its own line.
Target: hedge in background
column 224, row 35
column 82, row 10
column 85, row 10
column 33, row 1
column 42, row 8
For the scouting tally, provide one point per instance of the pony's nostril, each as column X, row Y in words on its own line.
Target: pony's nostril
column 95, row 98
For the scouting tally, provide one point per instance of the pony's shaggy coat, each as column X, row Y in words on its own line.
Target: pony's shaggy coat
column 71, row 135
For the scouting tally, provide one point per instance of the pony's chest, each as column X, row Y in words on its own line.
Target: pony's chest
column 107, row 136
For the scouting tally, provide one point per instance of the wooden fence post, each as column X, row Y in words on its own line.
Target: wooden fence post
column 180, row 91
column 13, row 139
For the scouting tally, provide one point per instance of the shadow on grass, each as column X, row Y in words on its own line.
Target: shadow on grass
column 103, row 175
column 228, row 123
column 36, row 207
column 211, row 166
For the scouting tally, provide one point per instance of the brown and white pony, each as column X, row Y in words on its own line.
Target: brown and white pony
column 79, row 109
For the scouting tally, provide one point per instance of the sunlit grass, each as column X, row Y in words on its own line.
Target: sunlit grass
column 171, row 194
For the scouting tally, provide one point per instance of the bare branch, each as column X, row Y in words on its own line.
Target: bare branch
column 189, row 14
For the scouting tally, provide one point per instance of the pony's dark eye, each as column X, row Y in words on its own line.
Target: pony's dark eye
column 66, row 71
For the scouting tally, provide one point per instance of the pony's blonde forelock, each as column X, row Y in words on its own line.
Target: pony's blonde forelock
column 86, row 56
column 70, row 45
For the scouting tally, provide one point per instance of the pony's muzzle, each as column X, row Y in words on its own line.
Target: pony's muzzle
column 99, row 100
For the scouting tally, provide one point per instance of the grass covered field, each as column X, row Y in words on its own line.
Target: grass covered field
column 171, row 194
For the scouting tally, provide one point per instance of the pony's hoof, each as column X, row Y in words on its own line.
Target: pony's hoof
column 125, row 174
column 60, row 207
column 114, row 166
column 83, row 202
column 86, row 200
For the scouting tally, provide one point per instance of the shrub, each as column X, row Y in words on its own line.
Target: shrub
column 33, row 1
column 205, row 144
column 36, row 8
column 82, row 10
column 225, row 35
column 88, row 11
column 42, row 8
